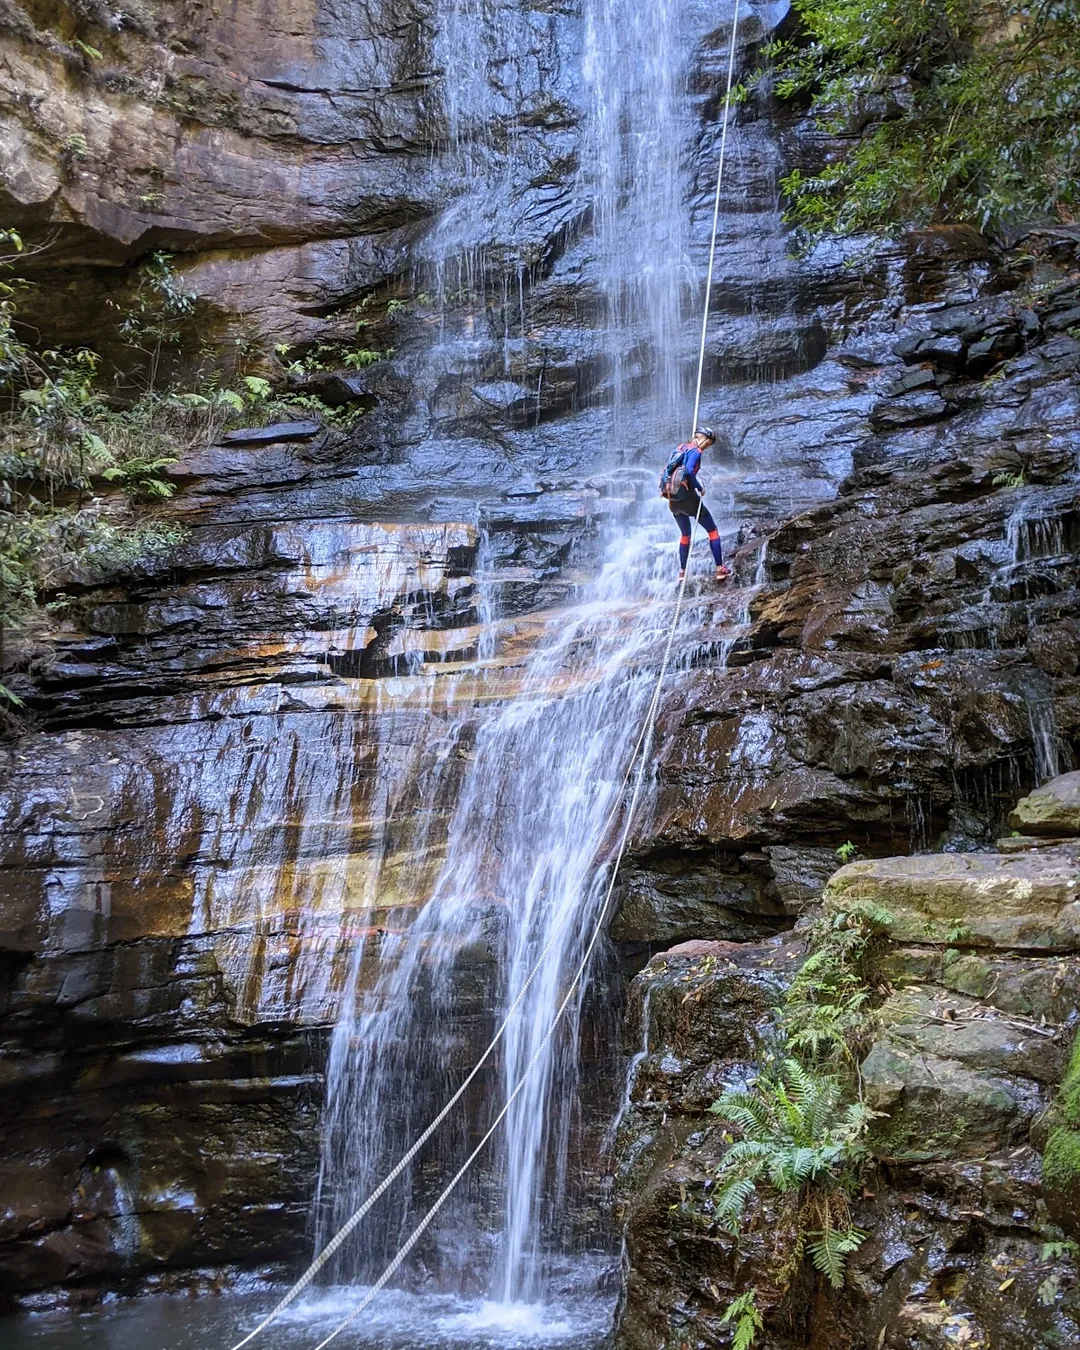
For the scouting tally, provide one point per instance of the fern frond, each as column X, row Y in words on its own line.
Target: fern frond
column 804, row 1088
column 747, row 1114
column 829, row 1249
column 744, row 1312
column 731, row 1202
column 756, row 1152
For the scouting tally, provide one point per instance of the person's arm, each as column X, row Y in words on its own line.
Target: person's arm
column 691, row 465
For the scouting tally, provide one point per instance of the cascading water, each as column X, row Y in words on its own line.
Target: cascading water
column 634, row 67
column 546, row 748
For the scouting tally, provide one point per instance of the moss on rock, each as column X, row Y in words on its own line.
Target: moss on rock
column 1061, row 1158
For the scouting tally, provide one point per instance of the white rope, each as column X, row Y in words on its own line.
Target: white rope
column 644, row 744
column 343, row 1233
column 418, row 1231
column 715, row 221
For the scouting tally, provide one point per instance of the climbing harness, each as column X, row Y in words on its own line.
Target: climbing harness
column 644, row 745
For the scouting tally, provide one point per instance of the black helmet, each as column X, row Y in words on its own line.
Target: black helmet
column 708, row 433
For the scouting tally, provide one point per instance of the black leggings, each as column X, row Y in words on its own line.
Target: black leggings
column 706, row 521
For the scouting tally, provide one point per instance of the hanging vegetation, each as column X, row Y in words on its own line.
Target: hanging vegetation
column 964, row 111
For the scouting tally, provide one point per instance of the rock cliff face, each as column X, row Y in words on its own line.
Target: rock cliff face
column 231, row 750
column 978, row 984
column 910, row 661
column 908, row 666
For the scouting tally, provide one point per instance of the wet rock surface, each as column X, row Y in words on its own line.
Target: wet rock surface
column 902, row 669
column 906, row 663
column 188, row 835
column 974, row 1165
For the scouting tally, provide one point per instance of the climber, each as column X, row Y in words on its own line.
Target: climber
column 680, row 486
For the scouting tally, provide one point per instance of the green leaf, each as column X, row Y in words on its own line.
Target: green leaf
column 829, row 1250
column 743, row 1311
column 95, row 445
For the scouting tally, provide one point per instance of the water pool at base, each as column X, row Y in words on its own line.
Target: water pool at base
column 399, row 1321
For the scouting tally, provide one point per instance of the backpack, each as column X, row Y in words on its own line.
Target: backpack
column 673, row 479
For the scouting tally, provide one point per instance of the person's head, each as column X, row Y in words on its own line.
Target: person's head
column 704, row 437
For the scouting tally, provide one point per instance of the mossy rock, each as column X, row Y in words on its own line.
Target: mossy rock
column 1061, row 1158
column 1024, row 902
column 1053, row 809
column 938, row 1109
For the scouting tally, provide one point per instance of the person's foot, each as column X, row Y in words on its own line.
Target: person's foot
column 682, row 576
column 722, row 573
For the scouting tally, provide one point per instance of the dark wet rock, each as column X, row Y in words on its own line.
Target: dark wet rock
column 1064, row 320
column 337, row 389
column 984, row 354
column 274, row 433
column 944, row 351
column 908, row 383
column 909, row 409
column 672, row 904
column 702, row 1016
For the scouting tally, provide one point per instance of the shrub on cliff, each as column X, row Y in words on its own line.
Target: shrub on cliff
column 798, row 1140
column 797, row 1136
column 953, row 111
column 61, row 446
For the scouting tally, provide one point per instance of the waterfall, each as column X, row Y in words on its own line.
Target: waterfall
column 534, row 748
column 635, row 71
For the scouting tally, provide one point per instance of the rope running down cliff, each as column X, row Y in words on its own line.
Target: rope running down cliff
column 644, row 745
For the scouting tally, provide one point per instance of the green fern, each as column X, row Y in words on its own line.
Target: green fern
column 799, row 1141
column 743, row 1311
column 829, row 1249
column 826, row 1009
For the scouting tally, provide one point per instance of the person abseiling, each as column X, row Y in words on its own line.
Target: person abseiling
column 679, row 484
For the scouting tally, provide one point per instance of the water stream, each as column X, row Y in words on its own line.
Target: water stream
column 544, row 769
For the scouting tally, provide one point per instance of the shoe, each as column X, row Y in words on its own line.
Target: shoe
column 682, row 576
column 722, row 573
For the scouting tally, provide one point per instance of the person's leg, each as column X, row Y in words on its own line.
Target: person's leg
column 706, row 521
column 683, row 523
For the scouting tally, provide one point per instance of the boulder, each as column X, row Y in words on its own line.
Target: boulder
column 938, row 1108
column 1023, row 901
column 1053, row 809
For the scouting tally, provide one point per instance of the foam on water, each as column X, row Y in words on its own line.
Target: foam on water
column 396, row 1321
